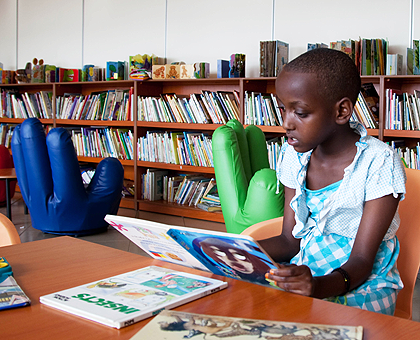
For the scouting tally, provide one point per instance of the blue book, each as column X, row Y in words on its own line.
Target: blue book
column 236, row 256
column 222, row 68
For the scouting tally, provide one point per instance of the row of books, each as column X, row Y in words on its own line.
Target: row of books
column 26, row 105
column 273, row 148
column 6, row 133
column 206, row 107
column 152, row 188
column 103, row 142
column 106, row 105
column 409, row 156
column 192, row 190
column 402, row 111
column 262, row 109
column 369, row 55
column 184, row 189
column 363, row 114
column 183, row 148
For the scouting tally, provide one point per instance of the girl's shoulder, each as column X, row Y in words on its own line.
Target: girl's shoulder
column 374, row 150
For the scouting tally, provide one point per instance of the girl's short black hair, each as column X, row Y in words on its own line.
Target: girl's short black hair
column 336, row 73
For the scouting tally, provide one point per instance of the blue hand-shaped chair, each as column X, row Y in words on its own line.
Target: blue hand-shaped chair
column 49, row 177
column 246, row 184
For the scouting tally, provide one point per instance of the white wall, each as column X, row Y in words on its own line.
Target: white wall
column 71, row 33
column 8, row 27
column 201, row 30
column 50, row 30
column 114, row 30
column 301, row 21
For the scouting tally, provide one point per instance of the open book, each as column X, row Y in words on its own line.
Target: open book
column 124, row 299
column 232, row 255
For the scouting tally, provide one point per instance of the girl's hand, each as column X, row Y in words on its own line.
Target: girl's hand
column 293, row 278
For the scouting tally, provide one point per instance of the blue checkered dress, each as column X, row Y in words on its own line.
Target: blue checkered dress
column 327, row 220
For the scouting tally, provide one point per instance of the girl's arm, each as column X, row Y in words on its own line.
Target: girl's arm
column 376, row 219
column 282, row 248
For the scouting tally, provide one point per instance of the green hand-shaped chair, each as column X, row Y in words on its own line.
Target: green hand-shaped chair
column 246, row 184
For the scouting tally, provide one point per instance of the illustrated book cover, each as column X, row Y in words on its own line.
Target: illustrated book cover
column 11, row 295
column 171, row 325
column 231, row 255
column 122, row 300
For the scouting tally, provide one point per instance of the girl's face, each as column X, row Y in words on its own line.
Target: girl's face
column 309, row 120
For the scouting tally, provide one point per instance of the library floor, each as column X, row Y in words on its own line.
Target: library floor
column 114, row 239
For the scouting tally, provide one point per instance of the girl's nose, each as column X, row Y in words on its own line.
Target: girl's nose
column 287, row 123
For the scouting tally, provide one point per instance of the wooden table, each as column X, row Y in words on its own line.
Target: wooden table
column 50, row 265
column 8, row 174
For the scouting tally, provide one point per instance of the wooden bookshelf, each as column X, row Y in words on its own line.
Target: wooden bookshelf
column 135, row 168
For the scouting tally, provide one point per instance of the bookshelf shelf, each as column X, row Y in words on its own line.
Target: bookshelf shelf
column 104, row 123
column 402, row 134
column 179, row 210
column 134, row 169
column 98, row 159
column 178, row 126
column 176, row 167
column 128, row 202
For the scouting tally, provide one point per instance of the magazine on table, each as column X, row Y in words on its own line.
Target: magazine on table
column 124, row 299
column 232, row 255
column 11, row 295
column 170, row 325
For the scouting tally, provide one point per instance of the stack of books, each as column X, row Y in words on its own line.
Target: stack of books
column 210, row 200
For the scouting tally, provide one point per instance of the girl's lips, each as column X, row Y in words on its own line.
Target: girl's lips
column 292, row 141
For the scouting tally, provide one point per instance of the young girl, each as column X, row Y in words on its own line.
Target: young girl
column 342, row 189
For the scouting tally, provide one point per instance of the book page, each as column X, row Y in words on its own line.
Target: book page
column 152, row 238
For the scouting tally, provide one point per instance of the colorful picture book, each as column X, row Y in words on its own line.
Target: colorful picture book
column 11, row 295
column 273, row 56
column 236, row 256
column 170, row 325
column 68, row 75
column 122, row 300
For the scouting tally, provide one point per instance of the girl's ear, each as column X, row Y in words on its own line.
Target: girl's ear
column 344, row 111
